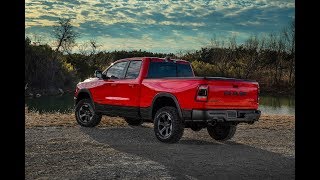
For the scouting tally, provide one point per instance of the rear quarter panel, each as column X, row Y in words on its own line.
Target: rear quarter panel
column 183, row 90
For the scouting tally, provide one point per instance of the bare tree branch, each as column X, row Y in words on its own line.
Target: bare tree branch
column 64, row 35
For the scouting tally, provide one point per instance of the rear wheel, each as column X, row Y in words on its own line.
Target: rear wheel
column 222, row 131
column 85, row 114
column 133, row 121
column 168, row 127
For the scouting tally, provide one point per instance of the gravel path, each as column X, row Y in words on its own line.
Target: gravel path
column 256, row 152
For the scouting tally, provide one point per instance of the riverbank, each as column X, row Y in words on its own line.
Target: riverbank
column 36, row 119
column 261, row 134
column 36, row 92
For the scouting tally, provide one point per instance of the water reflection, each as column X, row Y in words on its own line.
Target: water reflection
column 277, row 101
column 61, row 104
column 277, row 105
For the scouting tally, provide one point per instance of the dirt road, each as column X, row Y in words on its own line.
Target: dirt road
column 261, row 151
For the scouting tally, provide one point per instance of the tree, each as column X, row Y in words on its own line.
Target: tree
column 252, row 47
column 64, row 35
column 89, row 48
column 289, row 34
column 43, row 71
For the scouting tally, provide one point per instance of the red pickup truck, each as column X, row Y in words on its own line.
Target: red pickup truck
column 166, row 92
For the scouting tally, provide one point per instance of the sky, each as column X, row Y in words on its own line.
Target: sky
column 158, row 26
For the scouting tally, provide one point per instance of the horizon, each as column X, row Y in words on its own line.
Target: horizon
column 162, row 27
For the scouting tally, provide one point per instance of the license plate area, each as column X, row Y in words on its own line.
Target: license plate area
column 231, row 114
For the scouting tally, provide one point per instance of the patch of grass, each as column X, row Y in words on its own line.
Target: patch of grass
column 275, row 122
column 36, row 119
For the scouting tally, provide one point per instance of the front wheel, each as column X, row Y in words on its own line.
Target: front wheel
column 85, row 114
column 222, row 131
column 168, row 127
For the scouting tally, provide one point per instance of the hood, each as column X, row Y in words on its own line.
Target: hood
column 89, row 80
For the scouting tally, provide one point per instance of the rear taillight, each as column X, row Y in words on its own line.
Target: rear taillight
column 202, row 94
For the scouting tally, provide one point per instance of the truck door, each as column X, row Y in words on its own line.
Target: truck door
column 127, row 89
column 115, row 73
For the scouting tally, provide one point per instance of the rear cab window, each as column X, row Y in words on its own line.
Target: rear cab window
column 184, row 70
column 162, row 69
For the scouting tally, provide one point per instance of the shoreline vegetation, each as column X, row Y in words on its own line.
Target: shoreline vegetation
column 57, row 68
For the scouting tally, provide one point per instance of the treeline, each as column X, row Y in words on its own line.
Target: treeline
column 46, row 70
column 269, row 59
column 85, row 64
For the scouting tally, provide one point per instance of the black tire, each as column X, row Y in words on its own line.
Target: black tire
column 222, row 131
column 85, row 114
column 133, row 121
column 168, row 127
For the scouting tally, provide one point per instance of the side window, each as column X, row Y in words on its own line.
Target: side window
column 117, row 70
column 133, row 70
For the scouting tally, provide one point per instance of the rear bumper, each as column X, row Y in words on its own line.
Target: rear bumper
column 222, row 115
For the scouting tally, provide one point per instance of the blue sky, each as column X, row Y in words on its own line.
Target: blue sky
column 159, row 26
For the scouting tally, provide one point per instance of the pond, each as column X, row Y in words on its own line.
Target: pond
column 64, row 103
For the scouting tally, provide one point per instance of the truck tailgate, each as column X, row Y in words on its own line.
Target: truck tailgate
column 232, row 94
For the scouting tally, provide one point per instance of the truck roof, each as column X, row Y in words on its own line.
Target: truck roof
column 153, row 58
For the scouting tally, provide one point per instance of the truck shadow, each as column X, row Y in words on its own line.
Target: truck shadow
column 197, row 158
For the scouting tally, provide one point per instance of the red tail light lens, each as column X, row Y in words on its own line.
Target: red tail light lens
column 202, row 94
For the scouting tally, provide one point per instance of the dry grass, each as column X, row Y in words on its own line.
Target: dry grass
column 275, row 122
column 35, row 119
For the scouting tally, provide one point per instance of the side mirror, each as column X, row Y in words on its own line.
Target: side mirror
column 98, row 74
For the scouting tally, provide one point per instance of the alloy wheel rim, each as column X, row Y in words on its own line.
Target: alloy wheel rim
column 164, row 125
column 85, row 113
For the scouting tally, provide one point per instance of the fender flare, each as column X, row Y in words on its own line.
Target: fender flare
column 87, row 92
column 165, row 94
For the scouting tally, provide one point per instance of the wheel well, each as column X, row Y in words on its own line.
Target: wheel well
column 161, row 102
column 82, row 95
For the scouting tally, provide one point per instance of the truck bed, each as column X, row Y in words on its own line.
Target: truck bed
column 223, row 93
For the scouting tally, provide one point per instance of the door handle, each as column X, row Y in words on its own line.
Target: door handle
column 113, row 84
column 131, row 85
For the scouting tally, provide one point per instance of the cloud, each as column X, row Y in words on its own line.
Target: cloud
column 148, row 43
column 106, row 12
column 189, row 21
column 248, row 23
